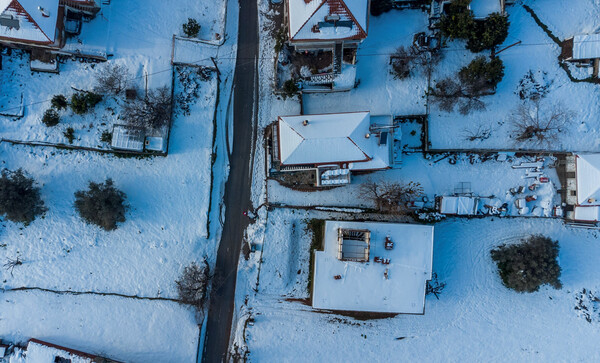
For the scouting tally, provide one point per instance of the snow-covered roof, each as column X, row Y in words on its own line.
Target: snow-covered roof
column 328, row 19
column 586, row 46
column 41, row 352
column 588, row 179
column 331, row 138
column 463, row 206
column 29, row 20
column 363, row 286
column 484, row 8
column 127, row 138
column 587, row 213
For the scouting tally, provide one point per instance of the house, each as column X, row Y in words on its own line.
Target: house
column 583, row 49
column 583, row 197
column 373, row 267
column 334, row 144
column 334, row 27
column 42, row 26
column 38, row 351
column 325, row 24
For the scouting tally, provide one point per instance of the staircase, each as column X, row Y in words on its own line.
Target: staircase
column 337, row 58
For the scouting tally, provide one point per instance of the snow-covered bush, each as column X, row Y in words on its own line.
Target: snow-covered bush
column 112, row 79
column 534, row 86
column 69, row 134
column 20, row 199
column 524, row 267
column 82, row 102
column 51, row 117
column 290, row 88
column 481, row 75
column 193, row 283
column 191, row 28
column 102, row 204
column 59, row 102
column 458, row 22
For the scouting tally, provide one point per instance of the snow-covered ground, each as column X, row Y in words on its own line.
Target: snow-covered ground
column 537, row 53
column 437, row 176
column 143, row 43
column 167, row 225
column 475, row 319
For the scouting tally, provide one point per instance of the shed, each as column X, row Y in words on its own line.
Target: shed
column 460, row 206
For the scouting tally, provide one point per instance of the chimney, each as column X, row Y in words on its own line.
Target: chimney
column 305, row 123
column 44, row 12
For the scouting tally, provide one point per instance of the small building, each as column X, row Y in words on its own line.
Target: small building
column 127, row 138
column 38, row 351
column 373, row 267
column 457, row 205
column 334, row 144
column 583, row 49
column 584, row 193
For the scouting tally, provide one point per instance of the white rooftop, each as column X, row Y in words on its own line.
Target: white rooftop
column 332, row 138
column 588, row 179
column 304, row 16
column 484, row 8
column 463, row 206
column 35, row 20
column 586, row 46
column 41, row 353
column 587, row 213
column 126, row 138
column 363, row 286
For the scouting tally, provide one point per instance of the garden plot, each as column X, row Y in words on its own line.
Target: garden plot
column 166, row 229
column 440, row 175
column 579, row 17
column 538, row 54
column 378, row 91
column 475, row 319
column 142, row 44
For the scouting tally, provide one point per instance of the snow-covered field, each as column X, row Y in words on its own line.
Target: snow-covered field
column 167, row 225
column 475, row 319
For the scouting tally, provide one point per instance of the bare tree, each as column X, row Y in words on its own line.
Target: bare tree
column 538, row 122
column 406, row 59
column 11, row 264
column 193, row 283
column 150, row 113
column 391, row 197
column 480, row 133
column 448, row 94
column 112, row 79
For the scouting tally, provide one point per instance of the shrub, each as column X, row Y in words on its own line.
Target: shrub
column 59, row 102
column 20, row 199
column 82, row 102
column 290, row 88
column 102, row 204
column 106, row 136
column 51, row 117
column 192, row 284
column 526, row 266
column 69, row 134
column 482, row 75
column 280, row 38
column 459, row 23
column 191, row 28
column 488, row 34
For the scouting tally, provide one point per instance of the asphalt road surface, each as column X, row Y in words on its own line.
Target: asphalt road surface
column 237, row 189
